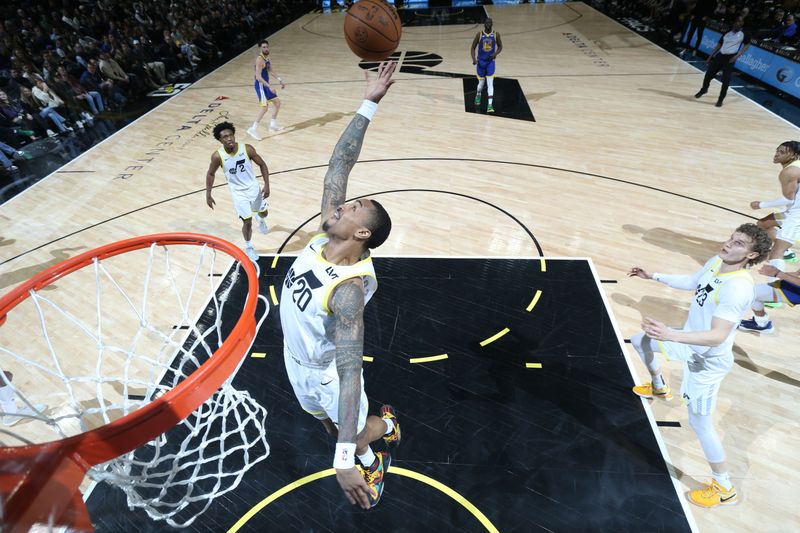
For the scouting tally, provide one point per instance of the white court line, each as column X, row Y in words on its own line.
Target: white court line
column 679, row 490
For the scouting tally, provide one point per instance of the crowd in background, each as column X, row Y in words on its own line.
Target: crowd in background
column 765, row 20
column 67, row 67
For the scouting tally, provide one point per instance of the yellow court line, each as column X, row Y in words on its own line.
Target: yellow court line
column 495, row 337
column 274, row 261
column 393, row 470
column 542, row 265
column 273, row 295
column 258, row 355
column 415, row 360
column 533, row 365
column 368, row 358
column 533, row 302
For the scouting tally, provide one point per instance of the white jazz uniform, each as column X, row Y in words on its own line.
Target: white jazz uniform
column 789, row 218
column 246, row 192
column 308, row 353
column 727, row 296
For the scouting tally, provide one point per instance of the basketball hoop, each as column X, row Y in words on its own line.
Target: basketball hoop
column 162, row 385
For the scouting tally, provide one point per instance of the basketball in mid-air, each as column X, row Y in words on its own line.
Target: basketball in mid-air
column 372, row 29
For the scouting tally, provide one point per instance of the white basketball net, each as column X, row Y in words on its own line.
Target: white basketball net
column 81, row 359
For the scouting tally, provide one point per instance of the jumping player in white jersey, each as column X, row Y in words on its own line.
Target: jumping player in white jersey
column 264, row 91
column 322, row 308
column 236, row 160
column 723, row 292
column 787, row 221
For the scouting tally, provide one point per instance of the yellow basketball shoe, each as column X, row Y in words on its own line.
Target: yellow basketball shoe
column 393, row 438
column 648, row 391
column 374, row 476
column 713, row 495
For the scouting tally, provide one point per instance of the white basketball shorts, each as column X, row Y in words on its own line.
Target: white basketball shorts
column 317, row 390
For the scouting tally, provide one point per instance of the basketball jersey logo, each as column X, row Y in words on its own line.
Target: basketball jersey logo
column 306, row 283
column 487, row 44
column 701, row 294
column 238, row 166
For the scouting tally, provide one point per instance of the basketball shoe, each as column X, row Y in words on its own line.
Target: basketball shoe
column 262, row 224
column 713, row 495
column 477, row 99
column 393, row 438
column 251, row 253
column 374, row 476
column 489, row 109
column 252, row 132
column 274, row 126
column 647, row 391
column 751, row 324
column 790, row 256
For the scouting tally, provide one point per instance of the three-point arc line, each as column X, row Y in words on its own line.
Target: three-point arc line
column 416, row 360
column 534, row 300
column 469, row 506
column 273, row 295
column 495, row 337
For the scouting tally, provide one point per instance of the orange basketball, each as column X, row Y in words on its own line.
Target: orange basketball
column 372, row 29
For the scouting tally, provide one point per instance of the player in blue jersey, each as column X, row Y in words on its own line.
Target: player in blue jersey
column 264, row 91
column 785, row 289
column 489, row 46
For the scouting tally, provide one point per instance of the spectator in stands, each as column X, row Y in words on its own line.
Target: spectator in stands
column 15, row 84
column 144, row 51
column 50, row 99
column 87, row 103
column 34, row 107
column 698, row 17
column 16, row 121
column 93, row 80
column 113, row 71
column 7, row 151
column 789, row 30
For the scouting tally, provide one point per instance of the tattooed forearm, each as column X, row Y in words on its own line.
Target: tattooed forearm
column 347, row 304
column 344, row 156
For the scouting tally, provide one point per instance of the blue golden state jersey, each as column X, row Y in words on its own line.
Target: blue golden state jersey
column 486, row 47
column 265, row 70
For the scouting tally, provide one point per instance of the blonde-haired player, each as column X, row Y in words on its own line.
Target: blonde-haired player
column 723, row 291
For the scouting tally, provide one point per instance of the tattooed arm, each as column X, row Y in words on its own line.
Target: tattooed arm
column 347, row 305
column 345, row 154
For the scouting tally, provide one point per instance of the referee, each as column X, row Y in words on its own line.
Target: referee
column 730, row 46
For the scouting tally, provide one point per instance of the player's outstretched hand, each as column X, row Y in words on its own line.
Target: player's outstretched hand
column 354, row 486
column 377, row 87
column 210, row 201
column 639, row 272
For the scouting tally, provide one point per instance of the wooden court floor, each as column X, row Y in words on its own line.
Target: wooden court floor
column 622, row 165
